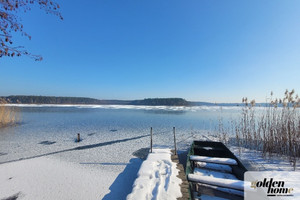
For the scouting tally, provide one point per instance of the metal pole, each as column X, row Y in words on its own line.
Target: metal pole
column 78, row 137
column 175, row 140
column 151, row 139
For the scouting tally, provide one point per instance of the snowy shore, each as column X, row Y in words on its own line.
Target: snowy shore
column 50, row 178
column 92, row 173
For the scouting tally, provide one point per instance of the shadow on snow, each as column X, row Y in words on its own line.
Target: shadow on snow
column 84, row 147
column 122, row 185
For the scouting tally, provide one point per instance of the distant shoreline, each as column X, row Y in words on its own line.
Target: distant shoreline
column 52, row 100
column 132, row 107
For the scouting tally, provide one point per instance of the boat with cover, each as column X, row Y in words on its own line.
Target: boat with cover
column 214, row 171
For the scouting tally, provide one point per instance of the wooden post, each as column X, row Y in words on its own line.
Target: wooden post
column 175, row 140
column 78, row 137
column 151, row 139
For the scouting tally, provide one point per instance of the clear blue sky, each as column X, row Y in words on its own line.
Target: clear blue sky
column 205, row 50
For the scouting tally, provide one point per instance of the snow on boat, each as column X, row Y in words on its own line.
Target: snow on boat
column 214, row 171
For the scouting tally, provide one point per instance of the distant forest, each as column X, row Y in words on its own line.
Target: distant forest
column 22, row 99
column 161, row 102
column 83, row 100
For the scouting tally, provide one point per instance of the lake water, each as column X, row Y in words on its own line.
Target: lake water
column 45, row 128
column 48, row 121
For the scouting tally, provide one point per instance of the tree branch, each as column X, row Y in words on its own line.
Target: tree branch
column 10, row 22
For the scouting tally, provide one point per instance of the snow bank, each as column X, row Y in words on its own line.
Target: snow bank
column 226, row 161
column 157, row 178
column 49, row 178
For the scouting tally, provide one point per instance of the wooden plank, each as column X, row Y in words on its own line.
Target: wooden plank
column 224, row 161
column 222, row 182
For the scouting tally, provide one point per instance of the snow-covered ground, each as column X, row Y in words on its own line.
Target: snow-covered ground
column 49, row 178
column 255, row 161
column 104, row 171
column 157, row 178
column 110, row 176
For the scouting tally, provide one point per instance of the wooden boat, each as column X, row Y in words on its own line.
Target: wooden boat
column 213, row 170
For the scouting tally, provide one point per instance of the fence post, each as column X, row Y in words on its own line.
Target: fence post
column 78, row 137
column 151, row 139
column 175, row 140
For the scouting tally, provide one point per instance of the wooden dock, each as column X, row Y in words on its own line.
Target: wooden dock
column 184, row 186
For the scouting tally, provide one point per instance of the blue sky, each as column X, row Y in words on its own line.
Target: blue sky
column 204, row 50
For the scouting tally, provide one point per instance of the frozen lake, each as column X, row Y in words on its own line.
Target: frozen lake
column 110, row 136
column 47, row 128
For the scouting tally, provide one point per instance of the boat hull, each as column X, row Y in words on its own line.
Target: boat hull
column 213, row 150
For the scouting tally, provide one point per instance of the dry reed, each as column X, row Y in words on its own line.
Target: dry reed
column 273, row 130
column 8, row 115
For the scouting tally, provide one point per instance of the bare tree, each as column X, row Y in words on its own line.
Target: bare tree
column 10, row 22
